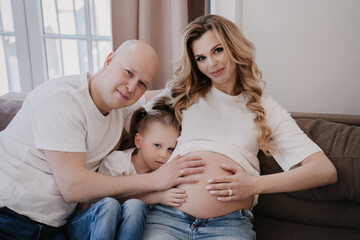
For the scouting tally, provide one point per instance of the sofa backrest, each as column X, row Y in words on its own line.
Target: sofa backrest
column 9, row 106
column 353, row 120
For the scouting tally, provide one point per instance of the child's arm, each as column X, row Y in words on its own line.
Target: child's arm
column 172, row 197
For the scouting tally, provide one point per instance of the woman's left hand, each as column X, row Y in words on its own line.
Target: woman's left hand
column 237, row 186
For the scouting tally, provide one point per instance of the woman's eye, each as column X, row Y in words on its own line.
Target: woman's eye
column 218, row 50
column 157, row 145
column 199, row 59
column 171, row 149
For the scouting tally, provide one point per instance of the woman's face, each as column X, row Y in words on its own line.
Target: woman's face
column 214, row 62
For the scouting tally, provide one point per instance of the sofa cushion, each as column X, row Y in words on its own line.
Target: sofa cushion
column 268, row 228
column 345, row 214
column 8, row 110
column 341, row 143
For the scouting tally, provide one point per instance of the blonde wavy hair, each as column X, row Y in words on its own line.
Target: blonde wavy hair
column 190, row 83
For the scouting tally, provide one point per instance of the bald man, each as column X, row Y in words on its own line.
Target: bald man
column 50, row 151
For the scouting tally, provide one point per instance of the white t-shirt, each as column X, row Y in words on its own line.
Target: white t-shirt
column 222, row 123
column 118, row 163
column 58, row 115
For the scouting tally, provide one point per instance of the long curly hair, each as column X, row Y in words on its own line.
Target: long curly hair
column 190, row 83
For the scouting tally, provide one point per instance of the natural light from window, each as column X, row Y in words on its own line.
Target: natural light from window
column 9, row 69
column 64, row 37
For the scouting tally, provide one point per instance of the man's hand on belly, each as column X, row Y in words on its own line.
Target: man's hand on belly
column 178, row 171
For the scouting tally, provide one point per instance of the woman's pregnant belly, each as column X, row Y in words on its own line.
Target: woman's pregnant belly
column 200, row 203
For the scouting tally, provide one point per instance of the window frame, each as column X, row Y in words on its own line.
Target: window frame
column 30, row 41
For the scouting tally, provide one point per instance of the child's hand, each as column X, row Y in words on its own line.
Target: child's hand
column 172, row 197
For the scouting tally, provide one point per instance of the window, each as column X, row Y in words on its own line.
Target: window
column 231, row 9
column 57, row 37
column 9, row 68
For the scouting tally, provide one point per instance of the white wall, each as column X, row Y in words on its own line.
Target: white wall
column 309, row 51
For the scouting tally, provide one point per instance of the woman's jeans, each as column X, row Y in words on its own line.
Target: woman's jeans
column 168, row 223
column 108, row 219
column 15, row 226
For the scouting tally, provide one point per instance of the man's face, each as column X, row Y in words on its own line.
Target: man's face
column 126, row 77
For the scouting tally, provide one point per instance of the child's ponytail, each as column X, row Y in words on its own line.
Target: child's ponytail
column 128, row 141
column 161, row 112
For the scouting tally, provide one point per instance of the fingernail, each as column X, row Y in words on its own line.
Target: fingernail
column 210, row 181
column 208, row 187
column 219, row 198
column 212, row 192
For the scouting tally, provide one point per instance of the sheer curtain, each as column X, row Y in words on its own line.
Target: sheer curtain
column 157, row 22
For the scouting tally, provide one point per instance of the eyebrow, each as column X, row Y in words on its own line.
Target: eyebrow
column 212, row 49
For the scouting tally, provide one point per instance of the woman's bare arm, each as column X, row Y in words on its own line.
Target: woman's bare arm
column 314, row 171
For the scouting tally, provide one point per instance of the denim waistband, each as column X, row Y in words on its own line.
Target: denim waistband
column 241, row 213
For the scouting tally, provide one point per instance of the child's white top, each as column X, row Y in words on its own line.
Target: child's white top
column 118, row 163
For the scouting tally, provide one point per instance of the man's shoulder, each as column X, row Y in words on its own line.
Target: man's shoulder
column 66, row 83
column 58, row 87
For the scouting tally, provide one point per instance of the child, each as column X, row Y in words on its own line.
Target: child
column 150, row 143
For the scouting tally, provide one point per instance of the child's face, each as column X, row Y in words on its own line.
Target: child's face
column 156, row 144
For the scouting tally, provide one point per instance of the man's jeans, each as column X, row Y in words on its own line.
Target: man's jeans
column 168, row 223
column 15, row 226
column 108, row 219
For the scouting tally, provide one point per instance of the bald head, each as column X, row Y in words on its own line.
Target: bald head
column 140, row 49
column 137, row 45
column 141, row 56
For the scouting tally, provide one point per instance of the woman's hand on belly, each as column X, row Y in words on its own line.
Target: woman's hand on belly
column 237, row 186
column 199, row 203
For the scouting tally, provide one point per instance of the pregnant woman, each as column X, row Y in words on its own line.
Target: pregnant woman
column 226, row 118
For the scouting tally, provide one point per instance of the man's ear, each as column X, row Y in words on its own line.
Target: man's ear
column 109, row 59
column 138, row 140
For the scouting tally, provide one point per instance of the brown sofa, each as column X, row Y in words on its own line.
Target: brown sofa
column 330, row 212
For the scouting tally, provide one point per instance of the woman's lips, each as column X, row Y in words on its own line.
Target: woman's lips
column 217, row 72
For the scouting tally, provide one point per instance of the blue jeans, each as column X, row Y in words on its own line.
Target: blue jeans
column 108, row 219
column 168, row 223
column 16, row 226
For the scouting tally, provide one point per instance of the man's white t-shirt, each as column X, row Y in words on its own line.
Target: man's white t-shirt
column 58, row 115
